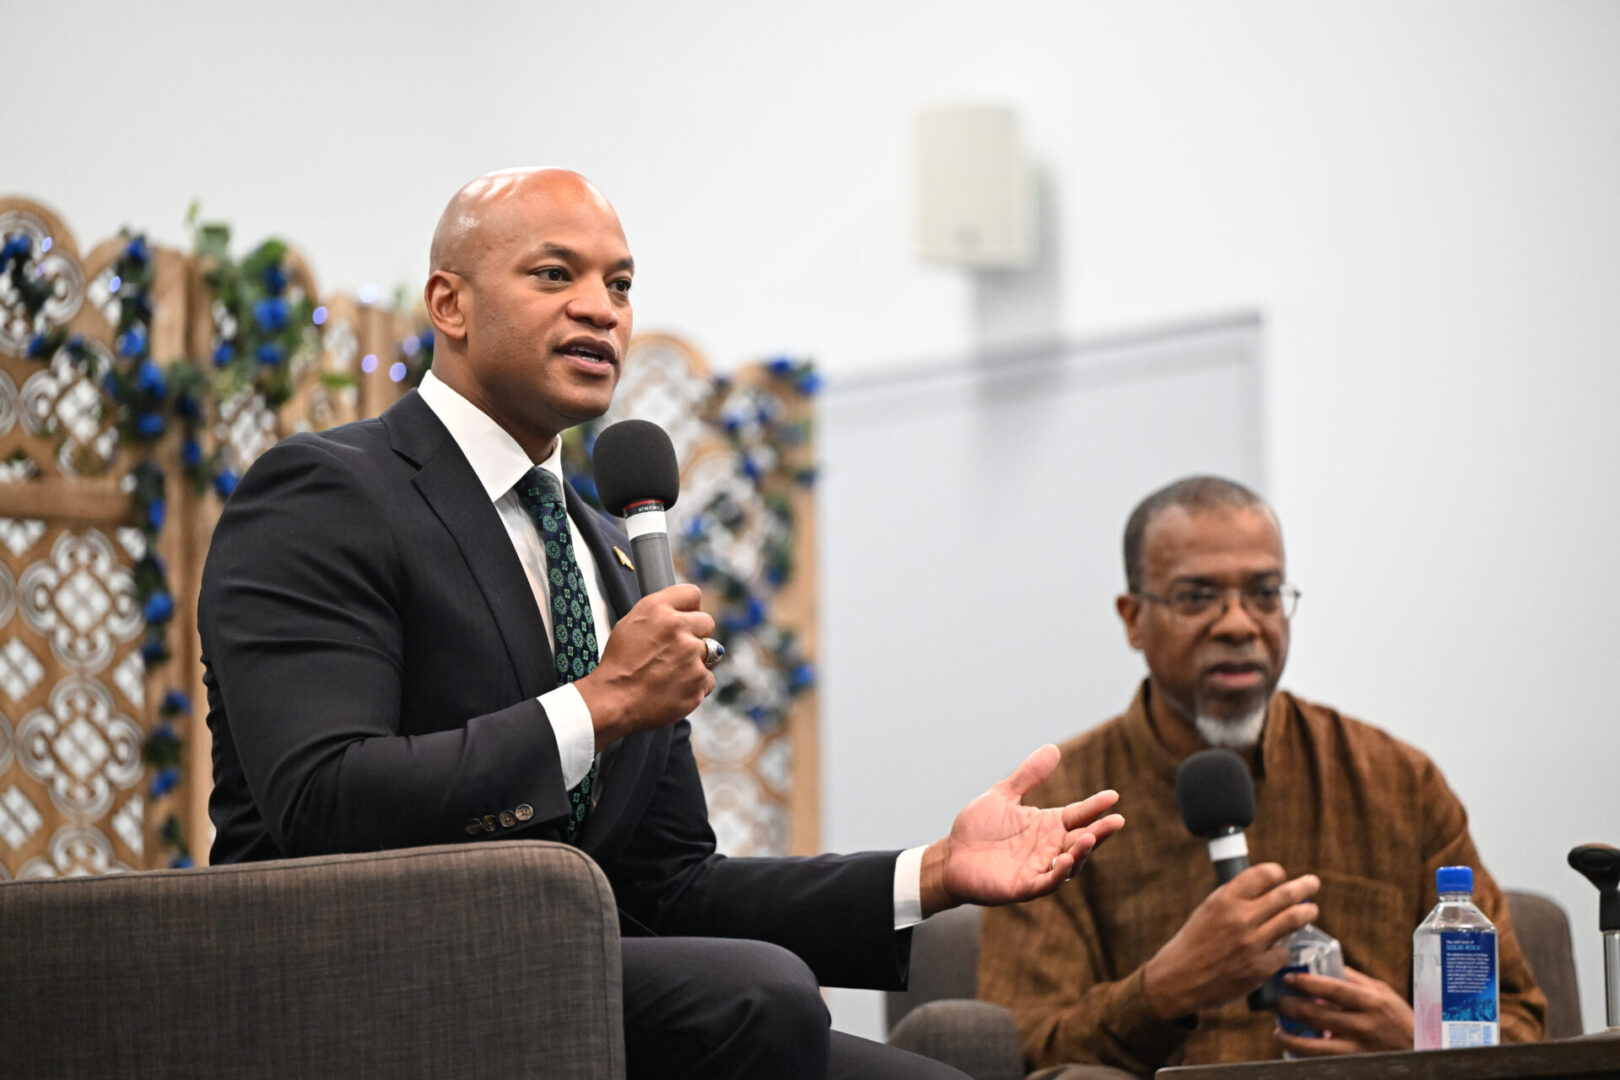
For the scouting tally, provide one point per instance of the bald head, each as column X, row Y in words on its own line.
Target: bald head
column 479, row 215
column 529, row 295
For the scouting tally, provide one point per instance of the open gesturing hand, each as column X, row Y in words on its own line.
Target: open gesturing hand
column 1000, row 851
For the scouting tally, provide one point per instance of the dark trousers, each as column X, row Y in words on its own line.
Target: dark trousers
column 716, row 1008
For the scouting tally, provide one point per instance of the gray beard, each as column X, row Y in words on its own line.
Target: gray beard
column 1237, row 734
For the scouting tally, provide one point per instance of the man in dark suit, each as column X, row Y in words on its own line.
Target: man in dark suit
column 415, row 633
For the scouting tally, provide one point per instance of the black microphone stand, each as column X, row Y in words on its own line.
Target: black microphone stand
column 1600, row 864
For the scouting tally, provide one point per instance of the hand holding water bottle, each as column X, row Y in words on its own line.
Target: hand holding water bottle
column 1357, row 1014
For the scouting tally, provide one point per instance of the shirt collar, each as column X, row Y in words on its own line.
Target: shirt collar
column 496, row 458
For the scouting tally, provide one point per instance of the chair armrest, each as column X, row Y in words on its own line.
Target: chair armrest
column 976, row 1037
column 496, row 959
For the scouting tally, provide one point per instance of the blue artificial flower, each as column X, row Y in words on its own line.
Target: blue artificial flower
column 757, row 713
column 159, row 608
column 37, row 346
column 224, row 353
column 149, row 425
column 809, row 383
column 174, row 701
column 268, row 354
column 191, row 453
column 775, row 573
column 109, row 385
column 181, row 862
column 275, row 279
column 149, row 379
column 801, row 677
column 750, row 467
column 225, row 483
column 271, row 314
column 136, row 251
column 154, row 652
column 163, row 782
column 781, row 365
column 18, row 246
column 156, row 511
column 132, row 342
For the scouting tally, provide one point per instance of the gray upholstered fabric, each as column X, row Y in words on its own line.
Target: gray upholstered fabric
column 975, row 1036
column 498, row 959
column 1543, row 931
column 944, row 962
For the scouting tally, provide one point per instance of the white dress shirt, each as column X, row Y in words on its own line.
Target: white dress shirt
column 499, row 463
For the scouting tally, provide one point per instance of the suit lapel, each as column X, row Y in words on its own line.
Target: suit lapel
column 622, row 762
column 451, row 488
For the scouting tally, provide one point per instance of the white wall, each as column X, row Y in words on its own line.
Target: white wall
column 1421, row 198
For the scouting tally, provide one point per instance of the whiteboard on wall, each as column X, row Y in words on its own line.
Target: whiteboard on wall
column 970, row 520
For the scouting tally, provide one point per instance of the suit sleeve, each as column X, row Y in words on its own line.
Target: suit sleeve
column 836, row 912
column 1523, row 1007
column 301, row 632
column 1044, row 960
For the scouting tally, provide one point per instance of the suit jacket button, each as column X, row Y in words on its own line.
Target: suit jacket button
column 489, row 822
column 474, row 827
column 523, row 812
column 507, row 820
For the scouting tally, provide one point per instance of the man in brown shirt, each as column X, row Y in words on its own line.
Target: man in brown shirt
column 1138, row 964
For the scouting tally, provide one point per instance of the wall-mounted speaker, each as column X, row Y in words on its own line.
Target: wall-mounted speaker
column 975, row 189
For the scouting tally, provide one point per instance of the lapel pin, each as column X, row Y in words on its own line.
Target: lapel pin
column 624, row 560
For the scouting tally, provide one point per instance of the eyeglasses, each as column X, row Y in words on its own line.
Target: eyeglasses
column 1192, row 601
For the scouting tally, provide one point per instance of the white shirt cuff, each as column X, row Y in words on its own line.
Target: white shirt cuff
column 908, row 888
column 576, row 735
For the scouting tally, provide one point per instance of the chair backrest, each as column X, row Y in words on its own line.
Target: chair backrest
column 1543, row 932
column 493, row 959
column 945, row 960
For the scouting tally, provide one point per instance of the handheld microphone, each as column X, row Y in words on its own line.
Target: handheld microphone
column 1216, row 797
column 637, row 477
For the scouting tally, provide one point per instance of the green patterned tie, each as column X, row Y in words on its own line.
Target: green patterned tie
column 573, row 631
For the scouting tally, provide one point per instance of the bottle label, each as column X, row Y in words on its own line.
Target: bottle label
column 1468, row 988
column 1294, row 1027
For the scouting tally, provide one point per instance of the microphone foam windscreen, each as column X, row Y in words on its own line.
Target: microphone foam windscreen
column 1214, row 792
column 635, row 461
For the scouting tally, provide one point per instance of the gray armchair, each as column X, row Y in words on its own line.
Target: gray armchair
column 936, row 1017
column 477, row 960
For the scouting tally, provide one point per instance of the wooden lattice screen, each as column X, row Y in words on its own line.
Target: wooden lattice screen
column 76, row 700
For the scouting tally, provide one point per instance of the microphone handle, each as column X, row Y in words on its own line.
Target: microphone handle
column 1230, row 853
column 1264, row 997
column 1227, row 869
column 649, row 542
column 655, row 569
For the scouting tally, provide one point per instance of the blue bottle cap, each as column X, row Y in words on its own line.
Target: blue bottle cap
column 1454, row 879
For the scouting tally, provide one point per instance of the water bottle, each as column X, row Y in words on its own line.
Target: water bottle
column 1311, row 951
column 1454, row 988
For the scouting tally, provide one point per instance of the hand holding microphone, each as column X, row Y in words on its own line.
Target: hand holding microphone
column 655, row 668
column 1231, row 944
